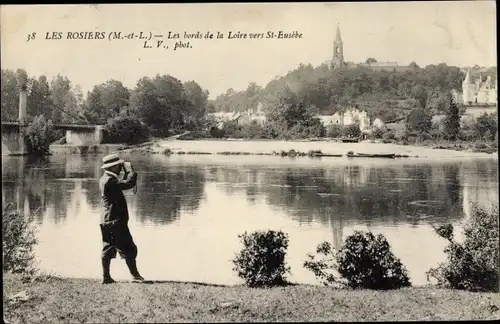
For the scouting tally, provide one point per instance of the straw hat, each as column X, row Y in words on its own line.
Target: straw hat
column 111, row 160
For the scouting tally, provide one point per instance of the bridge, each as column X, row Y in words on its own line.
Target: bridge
column 13, row 133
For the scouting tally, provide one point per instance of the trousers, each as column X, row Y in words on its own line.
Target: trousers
column 116, row 238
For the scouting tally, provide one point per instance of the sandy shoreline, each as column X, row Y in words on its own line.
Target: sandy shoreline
column 268, row 147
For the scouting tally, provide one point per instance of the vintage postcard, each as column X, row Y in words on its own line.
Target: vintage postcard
column 167, row 162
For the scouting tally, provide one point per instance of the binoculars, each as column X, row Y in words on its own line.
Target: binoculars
column 127, row 166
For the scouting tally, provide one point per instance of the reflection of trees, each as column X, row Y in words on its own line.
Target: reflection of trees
column 162, row 195
column 480, row 184
column 383, row 197
column 31, row 183
column 354, row 193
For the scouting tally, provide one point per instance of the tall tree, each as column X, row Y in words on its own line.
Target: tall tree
column 106, row 100
column 160, row 103
column 452, row 121
column 197, row 98
column 10, row 96
column 39, row 98
column 419, row 120
column 60, row 86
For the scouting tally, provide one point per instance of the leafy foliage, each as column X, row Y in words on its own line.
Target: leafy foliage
column 474, row 264
column 18, row 242
column 261, row 262
column 378, row 132
column 323, row 264
column 419, row 120
column 452, row 121
column 364, row 261
column 486, row 126
column 333, row 131
column 125, row 129
column 106, row 100
column 39, row 135
column 383, row 93
column 352, row 130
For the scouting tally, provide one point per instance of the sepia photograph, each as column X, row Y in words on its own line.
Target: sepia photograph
column 250, row 162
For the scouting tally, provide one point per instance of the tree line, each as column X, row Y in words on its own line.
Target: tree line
column 162, row 103
column 383, row 94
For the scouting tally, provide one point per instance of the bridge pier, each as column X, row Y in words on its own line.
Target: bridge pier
column 14, row 133
column 23, row 124
column 98, row 134
column 22, row 148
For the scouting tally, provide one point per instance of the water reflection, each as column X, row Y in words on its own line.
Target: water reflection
column 205, row 197
column 163, row 195
column 359, row 194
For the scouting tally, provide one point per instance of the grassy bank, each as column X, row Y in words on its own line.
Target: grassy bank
column 84, row 300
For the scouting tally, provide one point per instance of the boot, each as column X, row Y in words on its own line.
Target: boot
column 132, row 267
column 106, row 277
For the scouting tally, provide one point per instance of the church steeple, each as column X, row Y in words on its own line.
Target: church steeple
column 467, row 77
column 338, row 39
column 338, row 50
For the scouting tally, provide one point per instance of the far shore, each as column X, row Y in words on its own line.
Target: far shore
column 275, row 147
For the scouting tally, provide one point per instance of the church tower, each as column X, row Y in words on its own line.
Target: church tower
column 467, row 88
column 338, row 51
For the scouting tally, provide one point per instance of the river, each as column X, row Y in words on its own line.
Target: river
column 188, row 210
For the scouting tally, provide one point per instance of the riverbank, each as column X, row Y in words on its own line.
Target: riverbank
column 61, row 300
column 272, row 147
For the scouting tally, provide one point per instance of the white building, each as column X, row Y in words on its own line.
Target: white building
column 479, row 91
column 378, row 123
column 347, row 118
column 240, row 118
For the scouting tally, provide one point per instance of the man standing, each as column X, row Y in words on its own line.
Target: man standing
column 116, row 236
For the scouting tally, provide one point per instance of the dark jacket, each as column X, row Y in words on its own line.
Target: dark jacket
column 113, row 203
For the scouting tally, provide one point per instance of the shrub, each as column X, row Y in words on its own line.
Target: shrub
column 125, row 129
column 378, row 132
column 253, row 130
column 486, row 126
column 322, row 265
column 352, row 130
column 231, row 129
column 364, row 261
column 389, row 135
column 18, row 242
column 474, row 264
column 39, row 135
column 274, row 129
column 333, row 131
column 261, row 262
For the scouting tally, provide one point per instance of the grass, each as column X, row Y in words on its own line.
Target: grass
column 85, row 300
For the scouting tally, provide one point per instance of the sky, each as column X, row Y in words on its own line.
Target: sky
column 461, row 33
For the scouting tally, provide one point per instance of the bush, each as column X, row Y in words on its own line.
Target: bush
column 352, row 130
column 261, row 262
column 253, row 130
column 18, row 242
column 324, row 267
column 474, row 264
column 389, row 135
column 39, row 135
column 377, row 133
column 364, row 261
column 333, row 131
column 125, row 129
column 486, row 126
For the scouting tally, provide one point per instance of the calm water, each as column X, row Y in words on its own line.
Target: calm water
column 189, row 210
